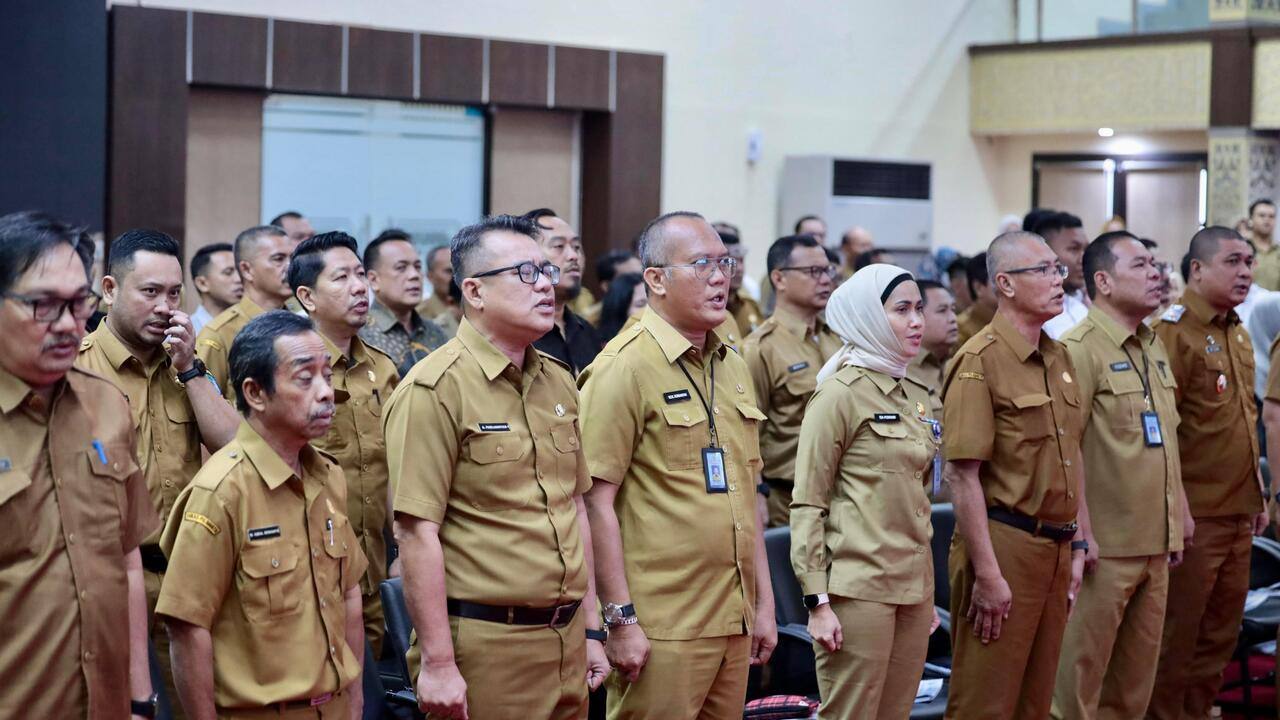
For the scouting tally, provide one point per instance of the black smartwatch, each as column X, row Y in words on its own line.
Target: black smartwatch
column 813, row 601
column 145, row 708
column 1080, row 545
column 197, row 369
column 601, row 635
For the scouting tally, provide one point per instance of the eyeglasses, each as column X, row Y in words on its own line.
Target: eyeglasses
column 702, row 267
column 1042, row 271
column 47, row 309
column 529, row 272
column 816, row 271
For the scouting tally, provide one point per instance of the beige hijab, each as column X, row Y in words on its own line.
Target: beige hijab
column 856, row 313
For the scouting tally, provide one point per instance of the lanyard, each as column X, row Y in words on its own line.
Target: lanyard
column 709, row 407
column 1144, row 376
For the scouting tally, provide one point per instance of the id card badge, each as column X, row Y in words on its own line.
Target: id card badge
column 937, row 473
column 1151, row 429
column 713, row 470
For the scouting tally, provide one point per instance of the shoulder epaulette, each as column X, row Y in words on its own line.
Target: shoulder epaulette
column 218, row 467
column 1174, row 313
column 624, row 337
column 977, row 343
column 430, row 369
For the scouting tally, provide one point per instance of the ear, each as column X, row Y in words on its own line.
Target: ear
column 776, row 277
column 656, row 279
column 1004, row 285
column 1196, row 267
column 202, row 283
column 371, row 276
column 254, row 395
column 109, row 288
column 473, row 293
column 306, row 297
column 246, row 271
column 1102, row 283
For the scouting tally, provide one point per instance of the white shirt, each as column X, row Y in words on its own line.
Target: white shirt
column 1073, row 311
column 199, row 318
column 1256, row 292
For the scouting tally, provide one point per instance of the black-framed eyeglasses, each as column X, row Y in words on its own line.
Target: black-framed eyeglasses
column 702, row 267
column 815, row 271
column 1042, row 271
column 47, row 308
column 529, row 272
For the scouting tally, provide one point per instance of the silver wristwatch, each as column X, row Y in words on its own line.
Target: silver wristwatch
column 615, row 614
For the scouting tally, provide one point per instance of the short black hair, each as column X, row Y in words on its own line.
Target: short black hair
column 779, row 255
column 1099, row 256
column 307, row 261
column 607, row 265
column 1033, row 217
column 432, row 253
column 1204, row 244
column 927, row 285
column 729, row 238
column 959, row 266
column 1259, row 201
column 253, row 352
column 833, row 257
column 278, row 220
column 800, row 222
column 615, row 306
column 1184, row 267
column 975, row 270
column 1056, row 222
column 537, row 214
column 455, row 292
column 466, row 243
column 27, row 235
column 249, row 237
column 372, row 251
column 131, row 242
column 1148, row 243
column 870, row 257
column 200, row 261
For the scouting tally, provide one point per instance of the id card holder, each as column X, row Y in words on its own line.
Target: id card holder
column 1151, row 429
column 713, row 470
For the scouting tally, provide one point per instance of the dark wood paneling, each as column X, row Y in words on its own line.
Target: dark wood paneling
column 452, row 69
column 582, row 78
column 307, row 58
column 1231, row 79
column 380, row 63
column 517, row 73
column 622, row 158
column 148, row 145
column 228, row 50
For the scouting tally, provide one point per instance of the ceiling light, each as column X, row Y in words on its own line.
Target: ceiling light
column 1106, row 132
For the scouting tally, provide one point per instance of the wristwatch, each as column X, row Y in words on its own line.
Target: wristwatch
column 813, row 601
column 1080, row 545
column 615, row 614
column 145, row 708
column 601, row 635
column 197, row 369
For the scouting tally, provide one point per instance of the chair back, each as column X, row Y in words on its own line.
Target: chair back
column 788, row 598
column 944, row 526
column 398, row 624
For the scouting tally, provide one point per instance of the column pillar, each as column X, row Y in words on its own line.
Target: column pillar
column 1242, row 168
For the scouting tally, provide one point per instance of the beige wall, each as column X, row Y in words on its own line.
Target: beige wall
column 535, row 161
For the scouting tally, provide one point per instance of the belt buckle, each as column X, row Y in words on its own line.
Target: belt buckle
column 321, row 699
column 555, row 617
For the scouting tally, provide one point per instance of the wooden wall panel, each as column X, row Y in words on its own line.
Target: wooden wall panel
column 379, row 63
column 582, row 78
column 307, row 58
column 148, row 123
column 452, row 69
column 1231, row 79
column 517, row 73
column 228, row 50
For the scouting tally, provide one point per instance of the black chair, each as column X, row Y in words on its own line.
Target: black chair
column 792, row 665
column 398, row 629
column 944, row 526
column 1259, row 626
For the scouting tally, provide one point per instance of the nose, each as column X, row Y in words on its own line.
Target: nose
column 65, row 322
column 324, row 390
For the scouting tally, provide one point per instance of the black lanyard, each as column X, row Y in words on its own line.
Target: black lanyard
column 710, row 407
column 1144, row 376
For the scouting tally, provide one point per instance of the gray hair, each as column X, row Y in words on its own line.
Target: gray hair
column 652, row 244
column 1000, row 248
column 249, row 237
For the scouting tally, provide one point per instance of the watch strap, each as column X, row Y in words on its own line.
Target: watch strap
column 601, row 635
column 197, row 369
column 816, row 600
column 1079, row 545
column 144, row 708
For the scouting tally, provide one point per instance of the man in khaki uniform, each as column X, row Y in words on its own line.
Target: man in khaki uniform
column 983, row 308
column 439, row 273
column 1011, row 436
column 329, row 281
column 73, row 503
column 1138, row 514
column 1262, row 223
column 264, row 569
column 672, row 439
column 487, row 481
column 745, row 310
column 938, row 341
column 262, row 255
column 784, row 356
column 146, row 347
column 1211, row 360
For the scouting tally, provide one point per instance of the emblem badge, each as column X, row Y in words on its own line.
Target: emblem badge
column 1222, row 383
column 372, row 377
column 559, row 410
column 1066, row 377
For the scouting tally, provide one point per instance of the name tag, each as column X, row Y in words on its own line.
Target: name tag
column 1151, row 429
column 5, row 465
column 494, row 427
column 886, row 417
column 1121, row 366
column 676, row 396
column 1214, row 348
column 264, row 533
column 798, row 366
column 713, row 471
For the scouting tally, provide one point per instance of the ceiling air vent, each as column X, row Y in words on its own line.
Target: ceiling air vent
column 859, row 178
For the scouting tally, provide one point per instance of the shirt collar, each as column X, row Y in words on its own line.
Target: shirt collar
column 1201, row 310
column 885, row 382
column 1117, row 334
column 492, row 360
column 270, row 466
column 793, row 324
column 250, row 308
column 1017, row 343
column 358, row 353
column 381, row 318
column 117, row 354
column 671, row 342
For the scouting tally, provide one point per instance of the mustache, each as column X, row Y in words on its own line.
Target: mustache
column 327, row 409
column 59, row 339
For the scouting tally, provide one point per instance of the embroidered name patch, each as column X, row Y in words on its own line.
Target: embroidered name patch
column 971, row 376
column 264, row 533
column 494, row 427
column 1121, row 366
column 798, row 366
column 675, row 396
column 887, row 417
column 202, row 521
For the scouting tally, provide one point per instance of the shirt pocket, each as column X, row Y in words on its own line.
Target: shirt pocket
column 565, row 439
column 685, row 434
column 751, row 419
column 178, row 409
column 499, row 484
column 272, row 585
column 1128, row 396
column 889, row 451
column 15, row 515
column 1034, row 416
column 109, row 498
column 801, row 384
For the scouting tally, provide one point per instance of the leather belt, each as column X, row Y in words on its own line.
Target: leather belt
column 153, row 559
column 1034, row 526
column 555, row 617
column 316, row 701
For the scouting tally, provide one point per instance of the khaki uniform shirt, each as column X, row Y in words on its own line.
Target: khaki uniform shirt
column 1016, row 407
column 73, row 502
column 263, row 560
column 213, row 344
column 971, row 321
column 405, row 347
column 491, row 453
column 1266, row 267
column 784, row 358
column 927, row 370
column 433, row 306
column 1211, row 359
column 1134, row 491
column 163, row 421
column 689, row 555
column 361, row 384
column 447, row 323
column 729, row 332
column 860, row 518
column 745, row 310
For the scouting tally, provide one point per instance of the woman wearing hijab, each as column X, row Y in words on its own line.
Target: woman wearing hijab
column 860, row 517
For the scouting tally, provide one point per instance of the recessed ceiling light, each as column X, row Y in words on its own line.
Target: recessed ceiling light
column 1106, row 132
